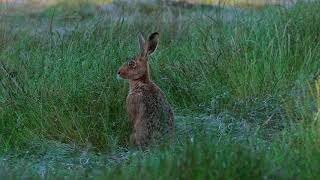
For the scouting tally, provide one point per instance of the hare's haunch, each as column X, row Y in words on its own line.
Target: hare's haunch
column 147, row 106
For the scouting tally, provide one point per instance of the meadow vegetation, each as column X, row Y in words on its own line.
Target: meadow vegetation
column 244, row 84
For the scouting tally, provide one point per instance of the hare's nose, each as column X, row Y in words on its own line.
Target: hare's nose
column 118, row 75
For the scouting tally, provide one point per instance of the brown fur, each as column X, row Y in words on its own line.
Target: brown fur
column 148, row 109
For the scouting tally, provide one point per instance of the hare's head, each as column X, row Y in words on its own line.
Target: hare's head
column 137, row 67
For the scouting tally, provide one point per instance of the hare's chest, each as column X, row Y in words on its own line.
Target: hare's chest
column 144, row 105
column 134, row 106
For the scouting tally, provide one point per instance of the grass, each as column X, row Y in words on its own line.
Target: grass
column 243, row 84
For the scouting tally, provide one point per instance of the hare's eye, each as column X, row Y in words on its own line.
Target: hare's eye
column 132, row 64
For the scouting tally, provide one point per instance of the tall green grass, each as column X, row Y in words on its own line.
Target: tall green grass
column 244, row 85
column 63, row 61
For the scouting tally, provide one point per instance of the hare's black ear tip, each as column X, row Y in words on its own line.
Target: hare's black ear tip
column 154, row 35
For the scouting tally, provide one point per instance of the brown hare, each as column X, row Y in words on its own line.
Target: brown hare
column 147, row 106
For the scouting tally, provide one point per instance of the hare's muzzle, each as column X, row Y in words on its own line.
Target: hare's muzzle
column 121, row 74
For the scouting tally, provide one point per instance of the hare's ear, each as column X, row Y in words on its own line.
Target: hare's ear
column 142, row 42
column 152, row 43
